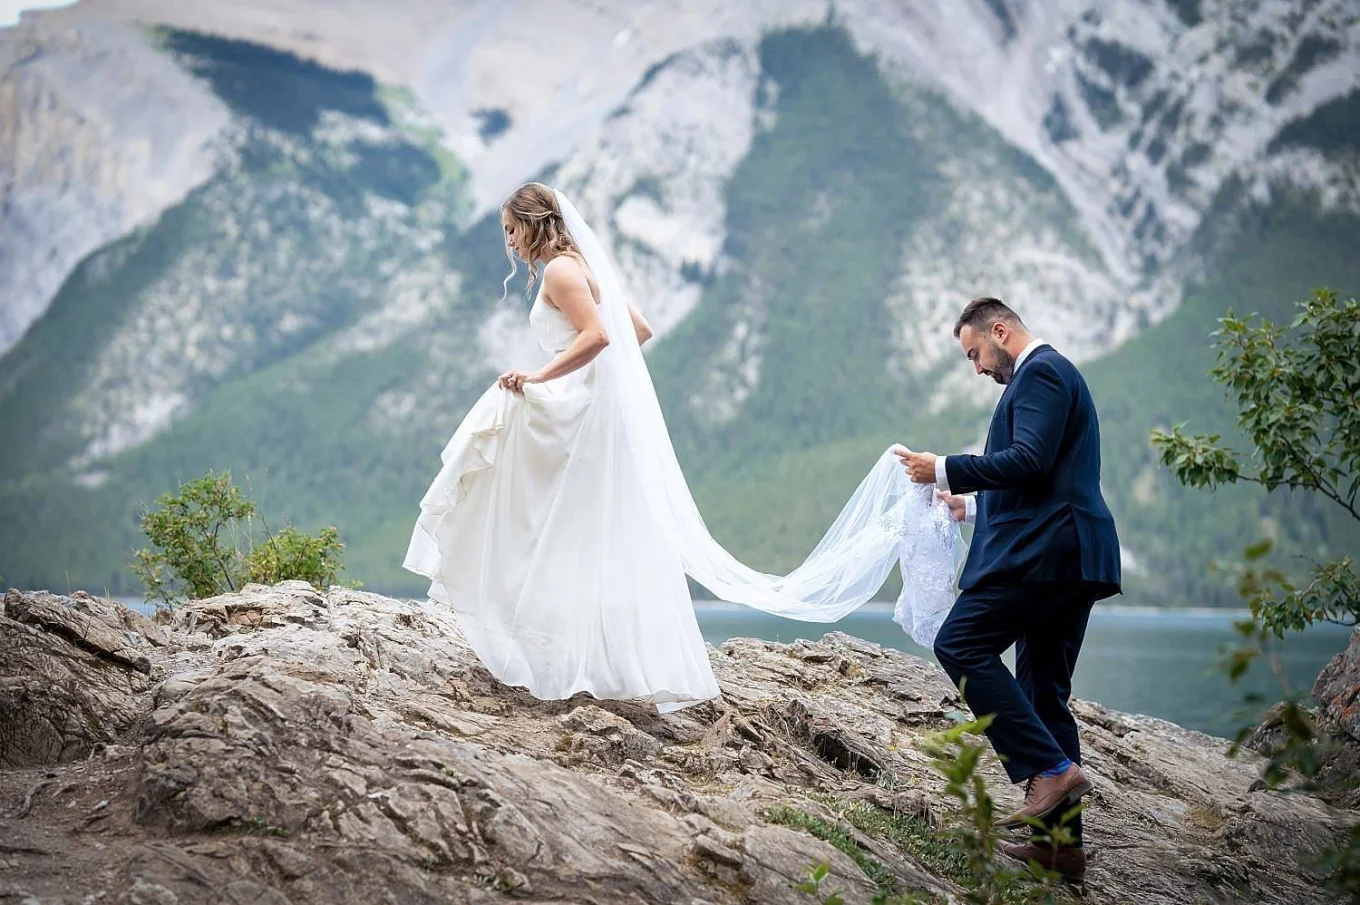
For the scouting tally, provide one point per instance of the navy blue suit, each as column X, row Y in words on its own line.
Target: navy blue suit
column 1044, row 550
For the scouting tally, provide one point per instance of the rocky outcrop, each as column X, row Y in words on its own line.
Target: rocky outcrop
column 1335, row 723
column 74, row 674
column 1337, row 689
column 290, row 745
column 1337, row 693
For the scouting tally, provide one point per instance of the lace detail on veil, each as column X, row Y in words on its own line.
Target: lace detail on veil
column 928, row 551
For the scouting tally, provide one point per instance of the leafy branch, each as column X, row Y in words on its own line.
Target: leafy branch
column 1295, row 387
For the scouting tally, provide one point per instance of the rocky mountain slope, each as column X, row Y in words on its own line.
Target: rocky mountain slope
column 99, row 134
column 1140, row 112
column 284, row 744
column 304, row 290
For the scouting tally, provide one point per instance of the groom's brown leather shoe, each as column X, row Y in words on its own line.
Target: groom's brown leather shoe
column 1046, row 794
column 1068, row 862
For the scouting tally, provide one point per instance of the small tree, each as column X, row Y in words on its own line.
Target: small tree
column 1296, row 389
column 191, row 557
column 199, row 548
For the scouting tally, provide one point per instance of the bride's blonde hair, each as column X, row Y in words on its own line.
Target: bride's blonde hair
column 533, row 208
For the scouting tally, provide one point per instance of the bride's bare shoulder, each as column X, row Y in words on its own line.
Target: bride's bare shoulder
column 566, row 273
column 565, row 267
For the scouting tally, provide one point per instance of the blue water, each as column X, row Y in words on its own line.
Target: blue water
column 1159, row 662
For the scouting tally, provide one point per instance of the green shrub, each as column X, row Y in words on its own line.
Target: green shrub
column 199, row 547
column 292, row 554
column 957, row 754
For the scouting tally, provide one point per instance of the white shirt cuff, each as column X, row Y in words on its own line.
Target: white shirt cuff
column 941, row 478
column 970, row 510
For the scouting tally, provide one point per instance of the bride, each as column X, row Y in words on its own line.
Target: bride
column 560, row 527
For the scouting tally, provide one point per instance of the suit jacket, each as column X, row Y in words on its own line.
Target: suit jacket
column 1040, row 513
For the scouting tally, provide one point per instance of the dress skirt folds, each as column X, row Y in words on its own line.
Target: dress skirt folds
column 536, row 532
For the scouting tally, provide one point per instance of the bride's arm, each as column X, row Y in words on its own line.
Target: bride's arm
column 640, row 325
column 565, row 286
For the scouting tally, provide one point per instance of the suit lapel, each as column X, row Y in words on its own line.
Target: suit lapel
column 1015, row 378
column 1005, row 399
column 998, row 412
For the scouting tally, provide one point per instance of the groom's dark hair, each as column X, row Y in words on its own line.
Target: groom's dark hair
column 983, row 311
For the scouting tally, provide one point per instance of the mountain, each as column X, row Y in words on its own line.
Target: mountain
column 291, row 267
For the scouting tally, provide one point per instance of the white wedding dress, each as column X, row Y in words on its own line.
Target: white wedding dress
column 560, row 530
column 537, row 534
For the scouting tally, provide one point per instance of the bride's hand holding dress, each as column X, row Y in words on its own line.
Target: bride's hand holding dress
column 566, row 287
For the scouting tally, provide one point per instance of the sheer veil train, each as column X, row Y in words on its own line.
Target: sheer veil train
column 888, row 519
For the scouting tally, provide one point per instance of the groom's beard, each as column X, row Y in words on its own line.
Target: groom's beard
column 1005, row 367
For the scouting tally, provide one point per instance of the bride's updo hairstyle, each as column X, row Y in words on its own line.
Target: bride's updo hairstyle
column 533, row 208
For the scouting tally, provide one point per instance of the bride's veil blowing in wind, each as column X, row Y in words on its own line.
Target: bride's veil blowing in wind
column 560, row 527
column 887, row 519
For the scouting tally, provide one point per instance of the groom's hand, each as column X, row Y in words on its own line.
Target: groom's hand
column 958, row 506
column 920, row 466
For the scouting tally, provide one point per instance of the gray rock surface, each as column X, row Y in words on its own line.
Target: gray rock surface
column 290, row 745
column 74, row 673
column 1337, row 689
column 1337, row 692
column 1336, row 722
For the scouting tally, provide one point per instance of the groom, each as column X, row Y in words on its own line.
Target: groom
column 1044, row 550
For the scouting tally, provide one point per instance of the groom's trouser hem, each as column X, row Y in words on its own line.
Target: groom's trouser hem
column 1045, row 658
column 984, row 622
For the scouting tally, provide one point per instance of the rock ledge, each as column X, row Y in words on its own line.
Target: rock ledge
column 285, row 745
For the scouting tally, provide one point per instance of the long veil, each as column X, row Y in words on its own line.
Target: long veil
column 888, row 518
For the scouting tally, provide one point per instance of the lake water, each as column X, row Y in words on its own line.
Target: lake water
column 1163, row 663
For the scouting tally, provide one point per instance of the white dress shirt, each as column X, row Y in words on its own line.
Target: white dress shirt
column 942, row 479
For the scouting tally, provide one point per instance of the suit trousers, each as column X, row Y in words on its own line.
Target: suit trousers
column 1032, row 729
